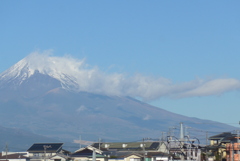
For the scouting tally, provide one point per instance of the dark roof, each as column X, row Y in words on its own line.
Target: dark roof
column 50, row 147
column 98, row 156
column 123, row 154
column 224, row 137
column 151, row 154
column 61, row 155
column 65, row 151
column 141, row 154
column 12, row 156
column 83, row 153
column 117, row 154
column 220, row 136
column 133, row 153
column 215, row 147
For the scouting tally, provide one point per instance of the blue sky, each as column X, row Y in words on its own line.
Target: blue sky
column 181, row 41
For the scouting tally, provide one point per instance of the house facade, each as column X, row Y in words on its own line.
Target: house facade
column 61, row 157
column 88, row 154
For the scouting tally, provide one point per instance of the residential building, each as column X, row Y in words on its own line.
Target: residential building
column 43, row 151
column 61, row 157
column 217, row 147
column 87, row 154
column 13, row 157
column 134, row 151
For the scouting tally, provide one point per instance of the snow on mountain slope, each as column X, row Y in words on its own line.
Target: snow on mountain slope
column 35, row 63
column 73, row 74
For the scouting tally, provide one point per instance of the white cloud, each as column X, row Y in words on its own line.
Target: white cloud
column 81, row 108
column 213, row 87
column 147, row 117
column 91, row 79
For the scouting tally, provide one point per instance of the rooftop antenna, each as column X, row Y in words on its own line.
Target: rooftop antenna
column 186, row 131
column 94, row 155
column 6, row 151
column 45, row 149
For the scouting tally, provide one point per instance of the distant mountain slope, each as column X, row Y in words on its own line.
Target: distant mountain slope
column 47, row 102
column 20, row 140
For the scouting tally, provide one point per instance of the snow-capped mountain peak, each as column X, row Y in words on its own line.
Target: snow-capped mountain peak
column 43, row 64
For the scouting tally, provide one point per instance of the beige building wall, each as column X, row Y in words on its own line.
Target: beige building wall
column 133, row 158
column 88, row 159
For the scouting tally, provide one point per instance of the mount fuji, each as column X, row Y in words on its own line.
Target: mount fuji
column 62, row 97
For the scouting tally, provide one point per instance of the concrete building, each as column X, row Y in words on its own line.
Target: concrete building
column 233, row 149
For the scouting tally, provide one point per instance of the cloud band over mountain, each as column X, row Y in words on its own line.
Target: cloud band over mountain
column 92, row 79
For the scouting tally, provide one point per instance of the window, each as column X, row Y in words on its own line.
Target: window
column 57, row 159
column 215, row 141
column 135, row 159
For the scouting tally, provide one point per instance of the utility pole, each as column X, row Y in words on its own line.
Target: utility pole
column 206, row 145
column 238, row 147
column 169, row 146
column 162, row 136
column 6, row 149
column 45, row 149
column 80, row 139
column 232, row 150
column 99, row 142
column 143, row 145
column 94, row 155
column 171, row 132
column 186, row 131
column 161, row 141
column 238, row 144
